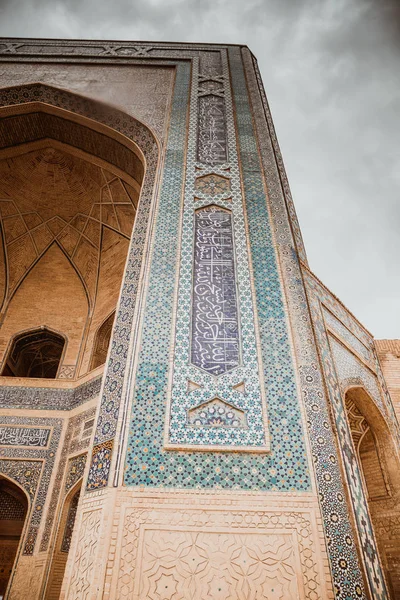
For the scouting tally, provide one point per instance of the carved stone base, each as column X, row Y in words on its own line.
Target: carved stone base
column 166, row 545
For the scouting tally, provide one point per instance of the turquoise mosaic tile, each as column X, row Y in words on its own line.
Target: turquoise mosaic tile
column 209, row 327
column 285, row 467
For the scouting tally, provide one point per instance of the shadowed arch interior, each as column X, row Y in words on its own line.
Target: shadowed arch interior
column 63, row 542
column 13, row 510
column 59, row 196
column 35, row 353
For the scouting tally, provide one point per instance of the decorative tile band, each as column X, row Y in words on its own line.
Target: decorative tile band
column 217, row 191
column 345, row 333
column 72, row 443
column 342, row 552
column 367, row 542
column 48, row 399
column 24, row 436
column 75, row 469
column 211, row 145
column 34, row 478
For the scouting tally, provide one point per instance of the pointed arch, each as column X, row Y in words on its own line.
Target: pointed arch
column 378, row 458
column 99, row 118
column 94, row 131
column 14, row 509
column 61, row 303
column 39, row 258
column 102, row 341
column 68, row 513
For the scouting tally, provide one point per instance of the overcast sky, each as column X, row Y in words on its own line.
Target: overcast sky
column 331, row 69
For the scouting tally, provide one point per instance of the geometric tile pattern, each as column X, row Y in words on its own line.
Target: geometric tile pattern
column 34, row 471
column 147, row 462
column 72, row 443
column 75, row 469
column 353, row 371
column 100, row 465
column 367, row 542
column 345, row 566
column 347, row 335
column 214, row 286
column 216, row 413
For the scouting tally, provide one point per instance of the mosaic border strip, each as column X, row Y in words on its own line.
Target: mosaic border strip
column 328, row 300
column 48, row 398
column 342, row 331
column 341, row 548
column 179, row 434
column 365, row 532
column 70, row 445
column 46, row 456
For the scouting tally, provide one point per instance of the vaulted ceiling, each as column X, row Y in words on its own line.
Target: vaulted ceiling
column 51, row 195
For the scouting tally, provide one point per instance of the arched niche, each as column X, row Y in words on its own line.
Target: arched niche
column 111, row 160
column 14, row 506
column 379, row 462
column 102, row 341
column 63, row 542
column 35, row 353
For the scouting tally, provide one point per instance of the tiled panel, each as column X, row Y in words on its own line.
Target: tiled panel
column 285, row 467
column 333, row 360
column 206, row 337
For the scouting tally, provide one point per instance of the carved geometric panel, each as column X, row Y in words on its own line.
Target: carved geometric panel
column 227, row 554
column 217, row 564
column 88, row 541
column 216, row 413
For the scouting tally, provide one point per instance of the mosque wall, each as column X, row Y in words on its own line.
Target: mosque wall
column 226, row 448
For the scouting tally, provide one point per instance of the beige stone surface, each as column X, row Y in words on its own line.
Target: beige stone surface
column 142, row 91
column 389, row 357
column 188, row 545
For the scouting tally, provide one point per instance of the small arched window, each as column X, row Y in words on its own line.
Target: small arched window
column 102, row 341
column 34, row 353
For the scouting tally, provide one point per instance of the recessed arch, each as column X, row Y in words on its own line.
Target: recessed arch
column 65, row 529
column 34, row 353
column 102, row 341
column 101, row 119
column 14, row 508
column 34, row 117
column 379, row 462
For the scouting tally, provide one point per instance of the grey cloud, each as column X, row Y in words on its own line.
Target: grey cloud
column 330, row 68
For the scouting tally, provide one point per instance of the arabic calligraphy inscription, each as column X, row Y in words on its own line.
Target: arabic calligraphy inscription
column 215, row 326
column 24, row 436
